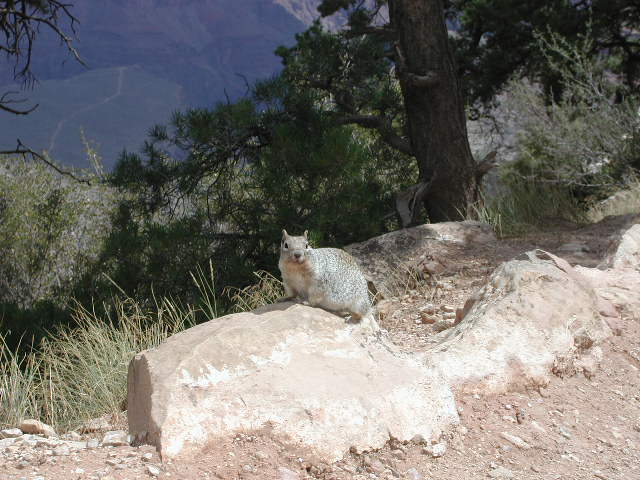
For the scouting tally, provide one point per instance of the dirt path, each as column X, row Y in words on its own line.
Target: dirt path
column 63, row 121
column 576, row 428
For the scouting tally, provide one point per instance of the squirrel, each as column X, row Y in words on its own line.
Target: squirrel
column 328, row 278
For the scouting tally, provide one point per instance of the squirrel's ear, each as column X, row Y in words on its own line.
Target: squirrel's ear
column 306, row 234
column 284, row 233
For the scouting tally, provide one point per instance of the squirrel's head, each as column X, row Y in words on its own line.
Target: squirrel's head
column 294, row 249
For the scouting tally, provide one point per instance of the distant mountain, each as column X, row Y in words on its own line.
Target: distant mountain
column 144, row 59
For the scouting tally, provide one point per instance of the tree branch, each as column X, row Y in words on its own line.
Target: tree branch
column 385, row 31
column 17, row 112
column 21, row 22
column 22, row 149
column 383, row 126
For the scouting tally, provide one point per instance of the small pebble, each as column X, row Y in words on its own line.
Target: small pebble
column 399, row 454
column 564, row 432
column 517, row 441
column 436, row 451
column 501, row 473
column 413, row 474
column 153, row 470
column 286, row 474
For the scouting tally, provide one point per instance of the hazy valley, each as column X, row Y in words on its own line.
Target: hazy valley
column 145, row 59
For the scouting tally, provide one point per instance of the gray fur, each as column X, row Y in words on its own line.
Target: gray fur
column 328, row 278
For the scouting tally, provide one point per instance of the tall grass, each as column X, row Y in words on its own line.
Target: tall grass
column 527, row 205
column 84, row 369
column 267, row 290
column 19, row 386
column 80, row 373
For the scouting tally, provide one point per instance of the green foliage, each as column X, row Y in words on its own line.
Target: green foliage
column 496, row 40
column 80, row 372
column 84, row 369
column 349, row 77
column 267, row 290
column 589, row 140
column 50, row 230
column 144, row 257
column 572, row 151
column 219, row 185
column 28, row 325
column 622, row 202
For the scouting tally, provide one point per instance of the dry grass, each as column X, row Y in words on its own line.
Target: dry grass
column 526, row 205
column 406, row 279
column 267, row 290
column 84, row 369
column 81, row 373
column 19, row 386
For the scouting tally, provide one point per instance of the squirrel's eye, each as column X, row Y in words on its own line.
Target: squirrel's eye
column 285, row 245
column 306, row 246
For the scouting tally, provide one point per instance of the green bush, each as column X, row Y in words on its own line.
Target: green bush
column 80, row 372
column 51, row 229
column 219, row 185
column 588, row 141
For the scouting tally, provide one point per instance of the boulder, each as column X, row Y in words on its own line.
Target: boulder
column 37, row 427
column 534, row 315
column 302, row 371
column 100, row 424
column 624, row 252
column 617, row 280
column 332, row 386
column 10, row 433
column 429, row 249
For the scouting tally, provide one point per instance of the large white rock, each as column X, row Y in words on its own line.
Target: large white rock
column 332, row 386
column 300, row 370
column 534, row 315
column 618, row 279
column 625, row 251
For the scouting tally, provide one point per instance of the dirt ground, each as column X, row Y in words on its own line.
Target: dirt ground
column 575, row 428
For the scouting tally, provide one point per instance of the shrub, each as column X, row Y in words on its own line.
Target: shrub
column 588, row 140
column 220, row 184
column 265, row 291
column 51, row 229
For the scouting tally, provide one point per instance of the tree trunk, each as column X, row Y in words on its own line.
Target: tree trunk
column 435, row 110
